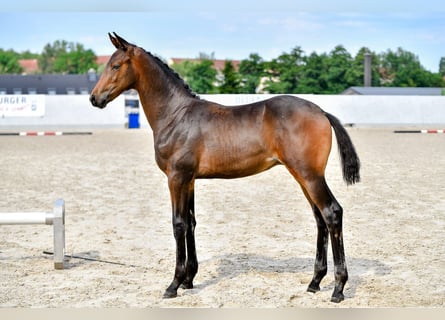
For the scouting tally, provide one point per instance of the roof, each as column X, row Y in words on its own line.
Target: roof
column 47, row 83
column 29, row 65
column 218, row 64
column 102, row 59
column 395, row 91
column 63, row 83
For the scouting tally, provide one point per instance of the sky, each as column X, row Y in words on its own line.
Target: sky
column 231, row 29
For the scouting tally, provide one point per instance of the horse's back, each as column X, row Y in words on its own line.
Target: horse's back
column 283, row 105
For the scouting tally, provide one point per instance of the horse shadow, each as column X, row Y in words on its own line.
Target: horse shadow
column 231, row 266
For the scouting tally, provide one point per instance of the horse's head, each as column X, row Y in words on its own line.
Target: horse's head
column 118, row 75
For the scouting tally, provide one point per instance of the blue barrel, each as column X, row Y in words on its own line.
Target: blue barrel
column 133, row 120
column 132, row 109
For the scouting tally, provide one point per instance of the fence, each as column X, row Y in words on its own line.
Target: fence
column 56, row 218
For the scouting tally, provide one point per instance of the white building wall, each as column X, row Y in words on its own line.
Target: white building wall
column 71, row 111
column 76, row 111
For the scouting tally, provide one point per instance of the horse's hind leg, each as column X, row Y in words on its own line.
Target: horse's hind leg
column 320, row 266
column 330, row 211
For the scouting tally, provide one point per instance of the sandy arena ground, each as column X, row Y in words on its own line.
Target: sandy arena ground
column 255, row 236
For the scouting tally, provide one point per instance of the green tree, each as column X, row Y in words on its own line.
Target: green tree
column 201, row 77
column 250, row 71
column 230, row 82
column 402, row 68
column 183, row 69
column 442, row 66
column 339, row 62
column 76, row 60
column 66, row 57
column 49, row 55
column 335, row 72
column 285, row 72
column 28, row 55
column 314, row 79
column 9, row 62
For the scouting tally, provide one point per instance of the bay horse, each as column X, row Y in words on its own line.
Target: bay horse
column 196, row 139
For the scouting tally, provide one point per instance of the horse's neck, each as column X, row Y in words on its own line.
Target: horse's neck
column 160, row 98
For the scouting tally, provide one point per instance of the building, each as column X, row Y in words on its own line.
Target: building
column 394, row 91
column 30, row 82
column 218, row 64
column 29, row 66
column 48, row 83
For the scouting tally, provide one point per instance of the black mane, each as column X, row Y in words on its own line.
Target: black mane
column 169, row 71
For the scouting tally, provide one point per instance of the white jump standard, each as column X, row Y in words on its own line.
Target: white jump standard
column 55, row 218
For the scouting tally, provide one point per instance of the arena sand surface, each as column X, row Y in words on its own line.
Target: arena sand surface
column 255, row 236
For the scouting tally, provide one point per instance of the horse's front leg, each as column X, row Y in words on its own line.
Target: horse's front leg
column 179, row 187
column 192, row 260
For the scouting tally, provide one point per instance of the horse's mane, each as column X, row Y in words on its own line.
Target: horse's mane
column 169, row 71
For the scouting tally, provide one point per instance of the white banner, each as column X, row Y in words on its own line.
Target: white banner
column 22, row 105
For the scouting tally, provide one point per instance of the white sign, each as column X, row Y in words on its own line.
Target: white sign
column 22, row 105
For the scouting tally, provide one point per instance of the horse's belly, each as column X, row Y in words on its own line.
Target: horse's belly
column 233, row 166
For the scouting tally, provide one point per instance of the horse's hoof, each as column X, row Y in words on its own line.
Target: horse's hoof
column 169, row 294
column 186, row 285
column 338, row 298
column 313, row 288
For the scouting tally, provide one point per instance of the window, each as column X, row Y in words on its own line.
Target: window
column 92, row 76
column 70, row 91
column 2, row 90
column 51, row 90
column 84, row 91
column 32, row 91
column 17, row 90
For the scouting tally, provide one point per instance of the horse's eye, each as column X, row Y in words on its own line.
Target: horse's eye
column 115, row 67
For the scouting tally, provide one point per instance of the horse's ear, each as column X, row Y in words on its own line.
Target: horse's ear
column 118, row 42
column 114, row 41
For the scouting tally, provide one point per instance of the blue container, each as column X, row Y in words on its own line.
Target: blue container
column 133, row 120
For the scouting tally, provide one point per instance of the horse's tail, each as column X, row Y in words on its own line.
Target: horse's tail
column 348, row 156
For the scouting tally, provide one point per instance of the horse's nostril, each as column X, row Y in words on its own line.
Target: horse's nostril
column 93, row 99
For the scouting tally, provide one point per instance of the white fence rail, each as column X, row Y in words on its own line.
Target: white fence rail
column 55, row 218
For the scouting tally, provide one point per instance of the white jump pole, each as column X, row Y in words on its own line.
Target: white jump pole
column 55, row 218
column 25, row 218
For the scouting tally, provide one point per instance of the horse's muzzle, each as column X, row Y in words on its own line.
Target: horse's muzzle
column 98, row 102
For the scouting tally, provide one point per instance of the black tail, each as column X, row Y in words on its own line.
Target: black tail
column 348, row 156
